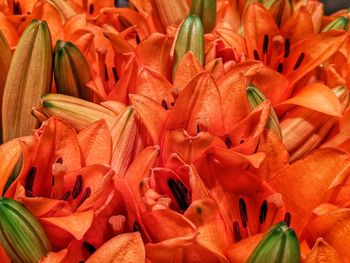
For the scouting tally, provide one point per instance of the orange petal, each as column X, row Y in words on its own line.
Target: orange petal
column 187, row 69
column 10, row 153
column 323, row 252
column 317, row 97
column 154, row 52
column 316, row 50
column 334, row 228
column 258, row 26
column 239, row 252
column 54, row 257
column 76, row 224
column 122, row 248
column 96, row 143
column 152, row 84
column 318, row 169
column 188, row 147
column 212, row 229
column 198, row 104
column 340, row 133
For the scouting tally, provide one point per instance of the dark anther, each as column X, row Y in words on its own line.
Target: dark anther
column 198, row 130
column 172, row 103
column 124, row 23
column 164, row 105
column 59, row 160
column 180, row 193
column 256, row 55
column 115, row 74
column 77, row 186
column 280, row 67
column 286, row 48
column 228, row 142
column 287, row 218
column 136, row 227
column 91, row 9
column 243, row 212
column 66, row 196
column 263, row 212
column 29, row 193
column 17, row 9
column 236, row 233
column 90, row 248
column 29, row 182
column 106, row 73
column 299, row 61
column 266, row 44
column 138, row 40
column 53, row 181
column 86, row 195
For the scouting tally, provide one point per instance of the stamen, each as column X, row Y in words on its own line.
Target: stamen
column 198, row 129
column 59, row 160
column 91, row 9
column 86, row 195
column 77, row 186
column 286, row 48
column 287, row 218
column 263, row 212
column 179, row 194
column 299, row 61
column 66, row 196
column 136, row 227
column 243, row 212
column 172, row 103
column 106, row 73
column 280, row 67
column 228, row 142
column 266, row 43
column 17, row 9
column 236, row 233
column 115, row 74
column 124, row 23
column 138, row 40
column 29, row 182
column 256, row 55
column 29, row 193
column 90, row 248
column 164, row 105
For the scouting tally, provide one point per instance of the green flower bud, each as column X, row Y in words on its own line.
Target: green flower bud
column 255, row 97
column 189, row 38
column 21, row 234
column 279, row 245
column 341, row 23
column 206, row 10
column 72, row 71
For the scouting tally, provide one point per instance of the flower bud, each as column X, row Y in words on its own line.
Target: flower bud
column 29, row 77
column 72, row 71
column 255, row 97
column 206, row 10
column 341, row 23
column 21, row 234
column 279, row 245
column 171, row 12
column 77, row 112
column 190, row 38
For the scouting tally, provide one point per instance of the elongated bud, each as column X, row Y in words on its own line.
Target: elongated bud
column 21, row 234
column 79, row 113
column 279, row 245
column 29, row 77
column 171, row 12
column 255, row 97
column 206, row 10
column 63, row 8
column 72, row 71
column 190, row 37
column 341, row 23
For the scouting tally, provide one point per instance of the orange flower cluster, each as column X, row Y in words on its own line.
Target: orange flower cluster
column 174, row 131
